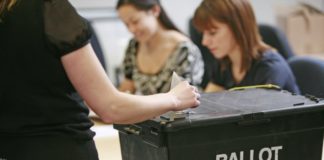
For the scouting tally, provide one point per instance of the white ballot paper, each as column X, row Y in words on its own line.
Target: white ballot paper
column 176, row 79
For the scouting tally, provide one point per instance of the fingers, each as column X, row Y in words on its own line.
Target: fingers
column 197, row 97
column 187, row 95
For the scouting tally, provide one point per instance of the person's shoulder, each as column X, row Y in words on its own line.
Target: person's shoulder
column 271, row 55
column 177, row 37
column 176, row 40
column 132, row 47
column 64, row 28
column 182, row 43
column 132, row 44
column 271, row 60
column 132, row 41
column 182, row 40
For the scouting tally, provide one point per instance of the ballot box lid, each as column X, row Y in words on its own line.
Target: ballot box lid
column 246, row 106
column 241, row 106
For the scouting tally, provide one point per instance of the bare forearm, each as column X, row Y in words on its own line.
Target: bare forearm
column 128, row 108
column 212, row 87
column 92, row 83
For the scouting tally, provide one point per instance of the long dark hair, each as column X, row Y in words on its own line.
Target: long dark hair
column 239, row 16
column 147, row 5
column 6, row 5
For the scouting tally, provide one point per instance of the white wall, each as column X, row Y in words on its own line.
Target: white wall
column 93, row 3
column 180, row 11
column 114, row 36
column 264, row 10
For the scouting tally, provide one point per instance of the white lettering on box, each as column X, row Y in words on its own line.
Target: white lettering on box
column 251, row 154
column 266, row 153
column 221, row 157
column 233, row 156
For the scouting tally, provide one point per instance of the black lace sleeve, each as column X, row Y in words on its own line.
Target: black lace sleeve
column 65, row 29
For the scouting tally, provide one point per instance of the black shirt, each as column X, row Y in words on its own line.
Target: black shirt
column 36, row 96
column 271, row 68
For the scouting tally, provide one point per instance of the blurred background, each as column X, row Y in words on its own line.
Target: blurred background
column 113, row 36
column 300, row 26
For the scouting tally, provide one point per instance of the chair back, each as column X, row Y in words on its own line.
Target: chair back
column 309, row 73
column 277, row 39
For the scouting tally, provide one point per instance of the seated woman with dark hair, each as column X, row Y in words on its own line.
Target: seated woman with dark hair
column 157, row 50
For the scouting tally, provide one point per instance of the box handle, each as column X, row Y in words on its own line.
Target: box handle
column 133, row 130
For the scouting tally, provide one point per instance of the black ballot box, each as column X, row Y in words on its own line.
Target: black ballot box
column 248, row 124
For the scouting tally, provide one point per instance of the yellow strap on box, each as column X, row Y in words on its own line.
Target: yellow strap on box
column 267, row 86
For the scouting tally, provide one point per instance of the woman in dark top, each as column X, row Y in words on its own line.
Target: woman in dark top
column 45, row 59
column 231, row 34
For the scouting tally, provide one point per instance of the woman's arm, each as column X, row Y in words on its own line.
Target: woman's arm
column 212, row 87
column 127, row 85
column 92, row 83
